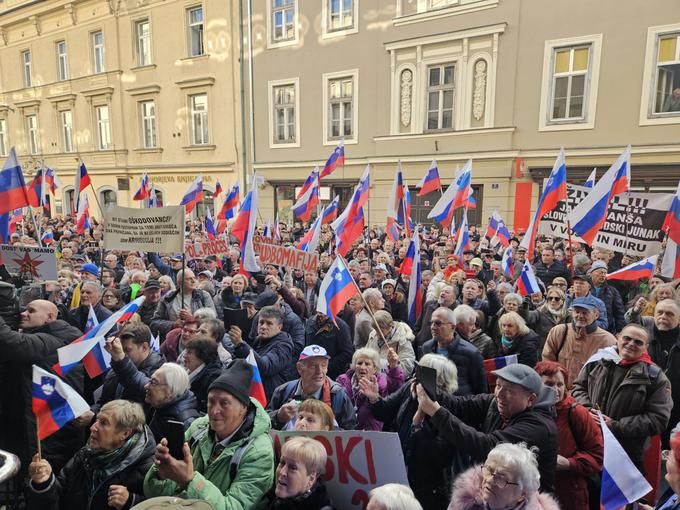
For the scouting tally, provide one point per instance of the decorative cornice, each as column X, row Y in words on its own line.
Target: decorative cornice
column 146, row 89
column 196, row 82
column 35, row 20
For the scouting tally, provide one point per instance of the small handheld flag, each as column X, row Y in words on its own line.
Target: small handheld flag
column 527, row 283
column 336, row 289
column 507, row 263
column 336, row 159
column 256, row 386
column 641, row 269
column 430, row 181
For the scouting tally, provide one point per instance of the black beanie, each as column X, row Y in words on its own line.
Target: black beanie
column 235, row 380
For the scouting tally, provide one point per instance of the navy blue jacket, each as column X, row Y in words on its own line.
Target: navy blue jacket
column 468, row 361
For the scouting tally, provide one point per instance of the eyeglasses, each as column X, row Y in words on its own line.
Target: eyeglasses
column 560, row 284
column 439, row 323
column 499, row 479
column 638, row 342
column 554, row 298
column 155, row 382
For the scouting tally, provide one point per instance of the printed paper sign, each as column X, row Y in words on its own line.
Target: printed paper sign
column 358, row 461
column 30, row 262
column 156, row 229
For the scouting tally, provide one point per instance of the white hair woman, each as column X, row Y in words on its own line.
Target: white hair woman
column 517, row 338
column 298, row 483
column 553, row 312
column 393, row 496
column 392, row 339
column 512, row 302
column 509, row 479
column 366, row 364
column 430, row 458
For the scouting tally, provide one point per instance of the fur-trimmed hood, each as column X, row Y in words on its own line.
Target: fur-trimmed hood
column 467, row 494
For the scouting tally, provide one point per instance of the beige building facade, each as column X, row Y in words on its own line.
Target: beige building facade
column 504, row 82
column 127, row 86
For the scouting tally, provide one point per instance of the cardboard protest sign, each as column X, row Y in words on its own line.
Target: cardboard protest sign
column 156, row 229
column 285, row 257
column 202, row 249
column 358, row 461
column 633, row 224
column 30, row 262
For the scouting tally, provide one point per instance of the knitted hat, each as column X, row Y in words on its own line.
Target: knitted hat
column 90, row 268
column 235, row 380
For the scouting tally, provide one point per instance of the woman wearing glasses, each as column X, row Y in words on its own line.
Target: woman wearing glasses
column 508, row 480
column 631, row 392
column 553, row 312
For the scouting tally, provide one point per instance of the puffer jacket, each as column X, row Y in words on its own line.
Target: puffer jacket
column 614, row 305
column 183, row 409
column 484, row 343
column 467, row 494
column 541, row 321
column 273, row 356
column 468, row 361
column 162, row 322
column 636, row 397
column 202, row 381
column 400, row 341
column 225, row 488
column 292, row 324
column 388, row 382
column 73, row 486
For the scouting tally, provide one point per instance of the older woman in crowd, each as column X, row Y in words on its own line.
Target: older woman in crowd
column 517, row 338
column 553, row 312
column 111, row 299
column 511, row 303
column 393, row 496
column 298, row 479
column 167, row 285
column 313, row 414
column 392, row 340
column 203, row 366
column 430, row 459
column 581, row 449
column 366, row 364
column 106, row 473
column 232, row 294
column 509, row 479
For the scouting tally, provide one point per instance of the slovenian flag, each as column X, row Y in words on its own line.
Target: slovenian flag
column 83, row 215
column 463, row 185
column 194, row 195
column 641, row 269
column 244, row 230
column 527, row 283
column 497, row 363
column 330, row 213
column 431, row 181
column 670, row 264
column 230, row 204
column 54, row 402
column 336, row 159
column 415, row 289
column 336, row 289
column 12, row 186
column 209, row 225
column 507, row 263
column 143, row 191
column 310, row 241
column 256, row 386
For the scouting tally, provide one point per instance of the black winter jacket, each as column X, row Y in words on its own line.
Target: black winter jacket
column 201, row 383
column 336, row 340
column 274, row 357
column 183, row 409
column 468, row 361
column 526, row 348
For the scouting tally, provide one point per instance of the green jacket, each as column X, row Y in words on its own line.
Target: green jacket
column 213, row 483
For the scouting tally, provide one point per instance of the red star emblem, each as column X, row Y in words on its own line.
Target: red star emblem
column 28, row 265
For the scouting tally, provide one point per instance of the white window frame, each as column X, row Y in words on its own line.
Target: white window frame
column 67, row 199
column 98, row 53
column 32, row 142
column 3, row 137
column 280, row 43
column 327, row 32
column 325, row 80
column 66, row 128
column 425, row 11
column 62, row 60
column 441, row 89
column 27, row 68
column 649, row 76
column 148, row 125
column 101, row 193
column 143, row 43
column 190, row 30
column 204, row 120
column 103, row 127
column 271, row 86
column 592, row 82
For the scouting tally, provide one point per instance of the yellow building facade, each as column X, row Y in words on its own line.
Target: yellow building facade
column 127, row 86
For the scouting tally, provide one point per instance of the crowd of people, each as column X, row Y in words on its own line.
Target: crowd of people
column 525, row 436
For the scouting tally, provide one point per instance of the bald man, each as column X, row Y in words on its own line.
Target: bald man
column 40, row 335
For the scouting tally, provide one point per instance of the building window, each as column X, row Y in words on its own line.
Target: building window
column 148, row 113
column 340, row 14
column 667, row 75
column 108, row 199
column 284, row 114
column 440, row 95
column 199, row 119
column 283, row 20
column 340, row 108
column 62, row 61
column 98, row 51
column 27, row 68
column 66, row 118
column 439, row 4
column 143, row 35
column 195, row 31
column 570, row 80
column 32, row 133
column 103, row 127
column 3, row 137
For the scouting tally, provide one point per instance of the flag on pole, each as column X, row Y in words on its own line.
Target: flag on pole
column 218, row 188
column 153, row 197
column 463, row 185
column 143, row 191
column 52, row 179
column 527, row 283
column 497, row 229
column 430, row 181
column 47, row 238
column 194, row 195
column 641, row 269
column 415, row 289
column 336, row 289
column 590, row 181
column 83, row 178
column 309, row 182
column 256, row 386
column 330, row 213
column 507, row 263
column 230, row 204
column 670, row 264
column 209, row 225
column 350, row 224
column 310, row 241
column 12, row 186
column 462, row 238
column 589, row 215
column 35, row 189
column 54, row 402
column 554, row 192
column 336, row 159
column 307, row 200
column 244, row 229
column 395, row 206
column 83, row 215
column 622, row 482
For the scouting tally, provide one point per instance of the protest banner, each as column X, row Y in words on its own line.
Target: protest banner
column 156, row 229
column 202, row 249
column 358, row 461
column 30, row 262
column 633, row 224
column 286, row 257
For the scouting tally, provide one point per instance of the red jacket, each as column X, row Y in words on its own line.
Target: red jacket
column 581, row 443
column 170, row 347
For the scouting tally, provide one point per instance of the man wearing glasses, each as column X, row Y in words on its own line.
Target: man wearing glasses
column 631, row 392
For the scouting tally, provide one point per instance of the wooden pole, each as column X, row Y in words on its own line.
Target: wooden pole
column 35, row 226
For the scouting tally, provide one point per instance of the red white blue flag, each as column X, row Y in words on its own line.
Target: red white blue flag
column 430, row 181
column 12, row 186
column 527, row 283
column 336, row 289
column 256, row 386
column 336, row 159
column 641, row 269
column 194, row 195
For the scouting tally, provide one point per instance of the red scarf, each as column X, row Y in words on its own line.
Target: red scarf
column 644, row 358
column 326, row 392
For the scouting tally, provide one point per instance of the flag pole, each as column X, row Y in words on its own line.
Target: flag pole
column 37, row 434
column 35, row 226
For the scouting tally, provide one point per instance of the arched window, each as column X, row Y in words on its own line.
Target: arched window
column 67, row 202
column 107, row 197
column 208, row 200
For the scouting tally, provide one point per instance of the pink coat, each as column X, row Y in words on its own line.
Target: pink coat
column 467, row 494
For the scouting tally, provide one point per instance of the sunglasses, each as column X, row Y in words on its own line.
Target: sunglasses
column 554, row 298
column 638, row 342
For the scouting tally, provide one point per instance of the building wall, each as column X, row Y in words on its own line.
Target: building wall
column 497, row 116
column 169, row 78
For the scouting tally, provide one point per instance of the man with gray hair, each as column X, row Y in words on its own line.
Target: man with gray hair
column 469, row 326
column 447, row 298
column 363, row 324
column 90, row 295
column 467, row 358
